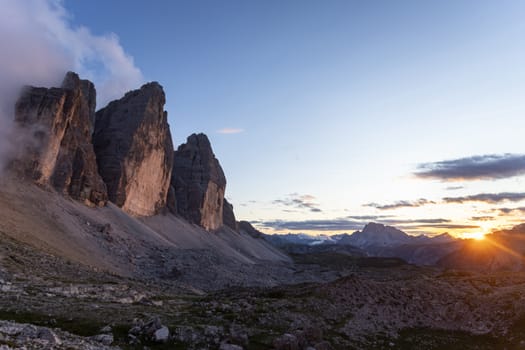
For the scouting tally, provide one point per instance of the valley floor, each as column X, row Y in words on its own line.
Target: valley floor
column 376, row 304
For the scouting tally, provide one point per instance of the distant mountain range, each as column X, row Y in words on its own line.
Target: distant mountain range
column 500, row 250
column 374, row 240
column 372, row 235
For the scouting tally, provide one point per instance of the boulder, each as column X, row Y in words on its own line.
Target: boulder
column 151, row 329
column 58, row 123
column 161, row 335
column 198, row 183
column 134, row 150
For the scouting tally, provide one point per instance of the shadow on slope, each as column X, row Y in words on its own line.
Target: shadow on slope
column 163, row 246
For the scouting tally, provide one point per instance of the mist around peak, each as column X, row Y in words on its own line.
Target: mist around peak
column 39, row 45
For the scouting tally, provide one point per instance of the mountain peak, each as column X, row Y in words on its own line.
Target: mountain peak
column 198, row 184
column 132, row 141
column 375, row 234
column 59, row 123
column 373, row 228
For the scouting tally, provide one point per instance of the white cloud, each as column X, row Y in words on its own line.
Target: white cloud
column 38, row 45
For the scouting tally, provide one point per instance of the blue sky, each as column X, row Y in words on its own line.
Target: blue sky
column 339, row 102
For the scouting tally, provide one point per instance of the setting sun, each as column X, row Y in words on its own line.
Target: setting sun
column 475, row 235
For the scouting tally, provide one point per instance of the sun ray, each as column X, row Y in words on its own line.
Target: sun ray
column 503, row 247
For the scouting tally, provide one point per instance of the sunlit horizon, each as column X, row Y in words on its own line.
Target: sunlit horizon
column 478, row 231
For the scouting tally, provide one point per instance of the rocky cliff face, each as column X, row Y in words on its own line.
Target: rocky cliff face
column 123, row 153
column 198, row 183
column 134, row 150
column 228, row 216
column 59, row 123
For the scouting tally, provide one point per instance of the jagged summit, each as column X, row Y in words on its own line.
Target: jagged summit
column 374, row 234
column 199, row 145
column 132, row 141
column 73, row 82
column 147, row 89
column 198, row 183
column 373, row 228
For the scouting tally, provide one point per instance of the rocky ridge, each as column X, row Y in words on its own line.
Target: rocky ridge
column 373, row 240
column 122, row 153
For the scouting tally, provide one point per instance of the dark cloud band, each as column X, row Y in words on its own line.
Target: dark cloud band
column 484, row 167
column 491, row 198
column 400, row 204
column 482, row 218
column 507, row 211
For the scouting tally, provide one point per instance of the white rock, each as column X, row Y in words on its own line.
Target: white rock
column 162, row 334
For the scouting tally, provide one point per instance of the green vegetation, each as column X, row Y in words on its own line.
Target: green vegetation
column 339, row 261
column 423, row 338
column 78, row 326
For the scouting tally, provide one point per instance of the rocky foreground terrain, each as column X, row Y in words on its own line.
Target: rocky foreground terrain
column 110, row 238
column 376, row 303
